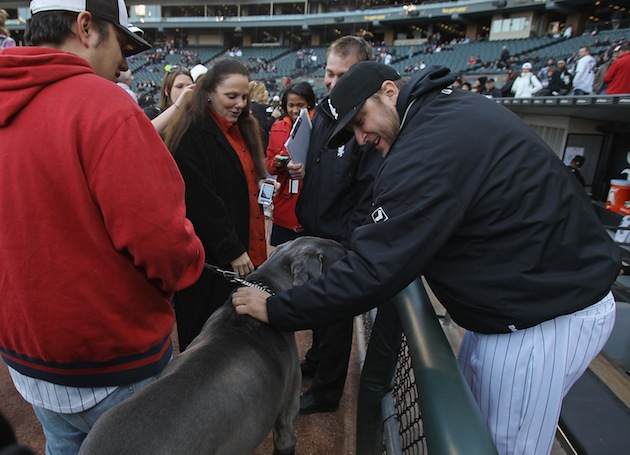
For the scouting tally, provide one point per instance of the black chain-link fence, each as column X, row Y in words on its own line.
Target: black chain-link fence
column 407, row 418
column 406, row 401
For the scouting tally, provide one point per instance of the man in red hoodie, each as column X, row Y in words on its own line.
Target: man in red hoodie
column 94, row 239
column 617, row 78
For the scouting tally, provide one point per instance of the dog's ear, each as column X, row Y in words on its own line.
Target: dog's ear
column 306, row 267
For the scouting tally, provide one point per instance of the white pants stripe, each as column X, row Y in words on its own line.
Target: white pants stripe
column 519, row 379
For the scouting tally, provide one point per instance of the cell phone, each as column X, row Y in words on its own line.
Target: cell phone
column 283, row 160
column 265, row 194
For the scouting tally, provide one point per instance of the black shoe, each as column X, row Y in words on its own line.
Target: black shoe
column 308, row 405
column 308, row 369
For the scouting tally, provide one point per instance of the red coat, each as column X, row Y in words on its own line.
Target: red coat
column 284, row 201
column 618, row 76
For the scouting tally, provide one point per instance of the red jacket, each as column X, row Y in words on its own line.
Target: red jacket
column 284, row 201
column 617, row 77
column 94, row 237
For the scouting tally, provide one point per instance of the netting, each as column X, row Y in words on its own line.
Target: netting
column 406, row 400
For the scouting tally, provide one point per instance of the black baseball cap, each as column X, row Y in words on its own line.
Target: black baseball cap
column 348, row 96
column 113, row 11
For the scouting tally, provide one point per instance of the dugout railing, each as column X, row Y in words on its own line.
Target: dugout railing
column 430, row 409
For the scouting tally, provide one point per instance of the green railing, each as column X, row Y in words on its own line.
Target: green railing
column 433, row 409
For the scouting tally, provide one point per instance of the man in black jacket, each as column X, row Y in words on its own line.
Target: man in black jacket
column 475, row 201
column 333, row 200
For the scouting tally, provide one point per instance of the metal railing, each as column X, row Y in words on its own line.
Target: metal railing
column 431, row 409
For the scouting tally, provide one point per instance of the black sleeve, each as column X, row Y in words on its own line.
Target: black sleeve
column 204, row 207
column 416, row 209
column 369, row 162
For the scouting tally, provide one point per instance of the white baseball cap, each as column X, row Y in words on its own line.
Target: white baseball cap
column 198, row 70
column 527, row 66
column 113, row 11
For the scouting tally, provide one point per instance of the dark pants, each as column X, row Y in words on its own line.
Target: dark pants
column 377, row 378
column 330, row 353
column 194, row 305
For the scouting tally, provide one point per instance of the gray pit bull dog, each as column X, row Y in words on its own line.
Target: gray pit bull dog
column 237, row 380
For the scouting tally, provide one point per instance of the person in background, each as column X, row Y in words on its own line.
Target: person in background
column 95, row 242
column 574, row 167
column 506, row 89
column 258, row 101
column 5, row 36
column 333, row 200
column 562, row 79
column 584, row 73
column 286, row 226
column 617, row 77
column 466, row 86
column 125, row 79
column 490, row 90
column 527, row 84
column 544, row 73
column 176, row 85
column 216, row 144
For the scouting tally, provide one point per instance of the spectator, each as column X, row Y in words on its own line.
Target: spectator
column 258, row 103
column 564, row 78
column 216, row 143
column 568, row 32
column 603, row 63
column 544, row 73
column 285, row 223
column 505, row 54
column 95, row 241
column 584, row 73
column 466, row 86
column 506, row 89
column 476, row 86
column 527, row 84
column 490, row 90
column 125, row 79
column 333, row 199
column 574, row 167
column 5, row 36
column 618, row 75
column 176, row 83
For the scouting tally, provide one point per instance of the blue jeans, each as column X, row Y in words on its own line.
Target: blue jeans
column 65, row 432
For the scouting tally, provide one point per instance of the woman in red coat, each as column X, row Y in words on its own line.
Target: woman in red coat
column 285, row 223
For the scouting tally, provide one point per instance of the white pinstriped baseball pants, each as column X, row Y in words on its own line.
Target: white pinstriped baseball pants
column 519, row 379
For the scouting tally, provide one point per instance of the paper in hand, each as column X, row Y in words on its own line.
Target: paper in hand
column 297, row 144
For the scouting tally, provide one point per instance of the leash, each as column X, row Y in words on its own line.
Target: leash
column 233, row 278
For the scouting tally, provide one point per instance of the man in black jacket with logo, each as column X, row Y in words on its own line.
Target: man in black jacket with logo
column 475, row 201
column 334, row 199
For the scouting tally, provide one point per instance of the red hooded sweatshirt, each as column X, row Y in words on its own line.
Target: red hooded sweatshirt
column 94, row 238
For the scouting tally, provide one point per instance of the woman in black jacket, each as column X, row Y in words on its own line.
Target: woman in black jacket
column 216, row 143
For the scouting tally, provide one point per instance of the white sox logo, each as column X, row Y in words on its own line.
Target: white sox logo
column 333, row 111
column 379, row 215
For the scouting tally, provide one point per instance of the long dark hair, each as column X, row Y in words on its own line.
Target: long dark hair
column 196, row 111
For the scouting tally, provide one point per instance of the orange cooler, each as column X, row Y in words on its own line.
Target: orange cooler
column 618, row 194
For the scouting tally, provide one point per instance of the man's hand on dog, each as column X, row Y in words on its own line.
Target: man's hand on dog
column 251, row 301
